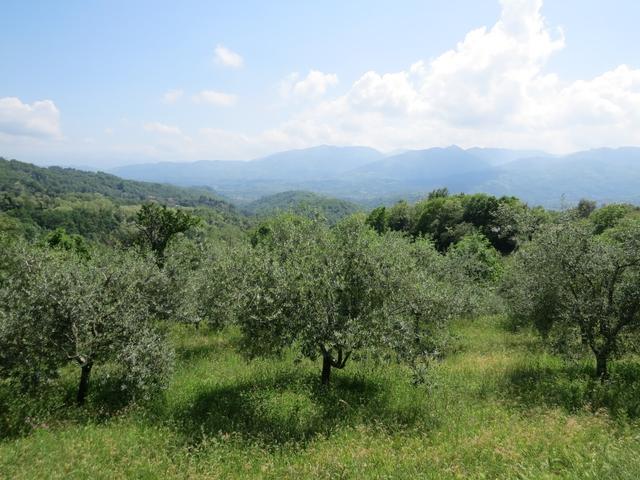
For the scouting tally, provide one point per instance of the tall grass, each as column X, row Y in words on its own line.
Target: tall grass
column 499, row 407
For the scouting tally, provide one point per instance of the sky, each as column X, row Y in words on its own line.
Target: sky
column 114, row 82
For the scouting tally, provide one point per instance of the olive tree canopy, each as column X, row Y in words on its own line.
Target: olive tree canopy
column 581, row 290
column 336, row 292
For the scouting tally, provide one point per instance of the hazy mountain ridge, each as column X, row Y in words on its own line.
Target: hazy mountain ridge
column 363, row 174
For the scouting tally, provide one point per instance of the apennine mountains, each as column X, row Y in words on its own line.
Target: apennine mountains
column 369, row 177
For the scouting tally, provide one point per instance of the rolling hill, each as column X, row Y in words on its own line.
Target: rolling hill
column 301, row 202
column 24, row 177
column 97, row 205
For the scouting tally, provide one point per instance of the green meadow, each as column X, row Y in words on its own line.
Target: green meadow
column 496, row 407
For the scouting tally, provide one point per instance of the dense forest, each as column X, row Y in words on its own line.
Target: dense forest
column 304, row 334
column 98, row 206
column 302, row 203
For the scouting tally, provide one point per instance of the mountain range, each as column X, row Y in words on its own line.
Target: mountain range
column 367, row 176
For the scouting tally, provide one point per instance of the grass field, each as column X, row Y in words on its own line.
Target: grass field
column 496, row 408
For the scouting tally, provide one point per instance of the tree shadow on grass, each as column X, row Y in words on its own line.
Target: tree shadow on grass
column 294, row 407
column 189, row 353
column 54, row 403
column 575, row 387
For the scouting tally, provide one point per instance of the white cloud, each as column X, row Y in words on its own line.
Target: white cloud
column 313, row 86
column 161, row 128
column 491, row 89
column 41, row 119
column 228, row 58
column 172, row 96
column 213, row 97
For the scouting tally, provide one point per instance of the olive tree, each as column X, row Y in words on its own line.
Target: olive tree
column 476, row 258
column 333, row 293
column 208, row 281
column 59, row 309
column 581, row 290
column 157, row 225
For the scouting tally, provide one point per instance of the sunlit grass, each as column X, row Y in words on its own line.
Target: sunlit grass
column 496, row 408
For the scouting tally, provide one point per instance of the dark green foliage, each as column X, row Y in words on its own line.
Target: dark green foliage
column 302, row 203
column 59, row 238
column 399, row 217
column 157, row 225
column 34, row 200
column 438, row 193
column 585, row 208
column 448, row 218
column 441, row 218
column 608, row 216
column 377, row 219
column 19, row 177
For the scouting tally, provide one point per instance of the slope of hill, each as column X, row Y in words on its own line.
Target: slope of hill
column 606, row 175
column 294, row 165
column 419, row 166
column 302, row 202
column 97, row 205
column 501, row 156
column 18, row 177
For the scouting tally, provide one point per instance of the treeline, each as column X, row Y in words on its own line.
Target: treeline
column 302, row 203
column 446, row 218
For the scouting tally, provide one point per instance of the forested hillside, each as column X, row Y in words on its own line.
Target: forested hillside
column 96, row 205
column 303, row 203
column 21, row 177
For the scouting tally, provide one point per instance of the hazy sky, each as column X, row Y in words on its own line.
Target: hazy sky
column 111, row 82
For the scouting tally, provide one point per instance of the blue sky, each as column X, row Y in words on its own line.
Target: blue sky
column 104, row 83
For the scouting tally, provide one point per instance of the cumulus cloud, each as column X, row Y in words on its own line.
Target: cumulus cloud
column 172, row 96
column 227, row 58
column 490, row 89
column 314, row 85
column 41, row 119
column 216, row 98
column 493, row 88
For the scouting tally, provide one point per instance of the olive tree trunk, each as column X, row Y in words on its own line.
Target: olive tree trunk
column 326, row 369
column 83, row 388
column 602, row 371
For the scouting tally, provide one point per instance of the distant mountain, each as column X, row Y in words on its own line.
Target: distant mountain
column 365, row 176
column 314, row 163
column 501, row 156
column 606, row 175
column 419, row 166
column 294, row 165
column 301, row 202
